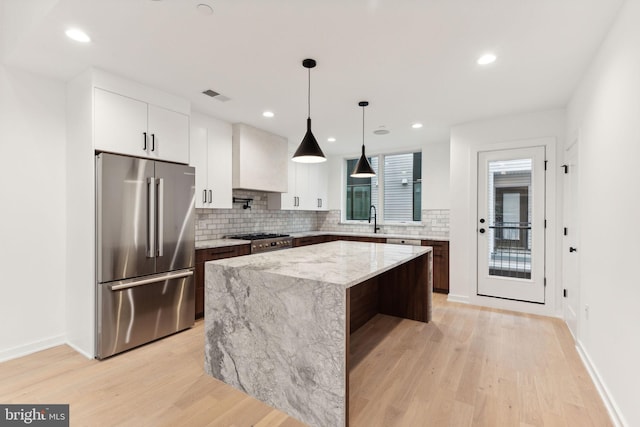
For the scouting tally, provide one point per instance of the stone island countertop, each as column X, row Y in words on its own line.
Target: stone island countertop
column 277, row 324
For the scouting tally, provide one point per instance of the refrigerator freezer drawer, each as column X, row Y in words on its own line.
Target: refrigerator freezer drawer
column 134, row 312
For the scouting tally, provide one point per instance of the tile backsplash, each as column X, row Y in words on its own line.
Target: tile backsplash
column 435, row 223
column 218, row 223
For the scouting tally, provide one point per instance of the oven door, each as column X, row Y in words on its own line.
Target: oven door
column 136, row 311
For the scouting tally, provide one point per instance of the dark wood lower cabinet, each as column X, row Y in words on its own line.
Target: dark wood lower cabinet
column 440, row 264
column 212, row 254
column 310, row 240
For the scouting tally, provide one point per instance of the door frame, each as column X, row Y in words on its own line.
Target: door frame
column 552, row 305
column 532, row 289
column 572, row 238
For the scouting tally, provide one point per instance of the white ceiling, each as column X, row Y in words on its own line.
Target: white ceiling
column 413, row 60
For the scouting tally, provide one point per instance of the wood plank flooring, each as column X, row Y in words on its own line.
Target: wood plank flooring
column 470, row 366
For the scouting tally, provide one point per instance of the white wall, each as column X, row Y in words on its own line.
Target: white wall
column 605, row 113
column 466, row 140
column 435, row 176
column 32, row 217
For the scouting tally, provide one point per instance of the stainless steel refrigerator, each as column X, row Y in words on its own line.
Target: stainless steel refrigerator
column 145, row 238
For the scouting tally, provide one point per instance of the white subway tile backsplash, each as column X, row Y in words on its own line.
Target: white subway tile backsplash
column 218, row 223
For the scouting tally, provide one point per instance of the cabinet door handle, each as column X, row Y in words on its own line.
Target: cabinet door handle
column 153, row 142
column 144, row 141
column 204, row 196
column 210, row 196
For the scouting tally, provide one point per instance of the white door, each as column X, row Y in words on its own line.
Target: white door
column 220, row 161
column 169, row 135
column 120, row 124
column 198, row 158
column 570, row 271
column 510, row 224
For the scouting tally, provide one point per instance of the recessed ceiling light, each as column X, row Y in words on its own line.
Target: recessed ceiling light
column 331, row 139
column 204, row 9
column 487, row 59
column 77, row 35
column 268, row 114
column 416, row 125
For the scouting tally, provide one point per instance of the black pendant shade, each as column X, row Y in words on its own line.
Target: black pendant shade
column 363, row 168
column 309, row 151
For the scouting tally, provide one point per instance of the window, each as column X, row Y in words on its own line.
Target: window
column 400, row 193
column 361, row 192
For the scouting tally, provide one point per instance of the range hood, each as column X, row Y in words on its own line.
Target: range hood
column 260, row 160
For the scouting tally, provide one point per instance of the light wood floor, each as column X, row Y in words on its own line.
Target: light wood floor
column 469, row 367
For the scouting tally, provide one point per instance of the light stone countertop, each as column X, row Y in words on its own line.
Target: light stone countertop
column 342, row 263
column 382, row 235
column 219, row 243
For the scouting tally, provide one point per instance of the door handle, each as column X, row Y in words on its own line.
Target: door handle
column 204, row 196
column 210, row 196
column 482, row 230
column 144, row 141
column 160, row 210
column 151, row 217
column 153, row 142
column 572, row 249
column 126, row 284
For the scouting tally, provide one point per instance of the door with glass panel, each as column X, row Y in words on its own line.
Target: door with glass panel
column 510, row 224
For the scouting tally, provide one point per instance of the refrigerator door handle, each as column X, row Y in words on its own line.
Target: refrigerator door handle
column 160, row 210
column 151, row 218
column 126, row 284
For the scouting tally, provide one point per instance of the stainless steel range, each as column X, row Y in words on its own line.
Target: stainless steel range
column 264, row 242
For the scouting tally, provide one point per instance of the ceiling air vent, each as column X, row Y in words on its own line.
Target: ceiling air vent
column 216, row 95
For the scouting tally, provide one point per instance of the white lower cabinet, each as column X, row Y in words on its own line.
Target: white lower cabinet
column 210, row 152
column 125, row 125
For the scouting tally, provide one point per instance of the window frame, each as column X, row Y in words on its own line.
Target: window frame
column 381, row 191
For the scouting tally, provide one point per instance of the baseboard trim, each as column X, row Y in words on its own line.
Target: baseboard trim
column 614, row 411
column 82, row 352
column 33, row 347
column 458, row 298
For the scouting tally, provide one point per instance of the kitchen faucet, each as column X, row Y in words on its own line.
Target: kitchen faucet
column 375, row 221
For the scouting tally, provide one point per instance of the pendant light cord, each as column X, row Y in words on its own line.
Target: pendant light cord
column 309, row 94
column 363, row 129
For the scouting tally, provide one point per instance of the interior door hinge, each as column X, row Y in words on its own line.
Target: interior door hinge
column 545, row 164
column 566, row 168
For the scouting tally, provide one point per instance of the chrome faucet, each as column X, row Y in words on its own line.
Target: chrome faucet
column 375, row 220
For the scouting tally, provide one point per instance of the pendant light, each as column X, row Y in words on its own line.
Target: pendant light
column 363, row 168
column 309, row 151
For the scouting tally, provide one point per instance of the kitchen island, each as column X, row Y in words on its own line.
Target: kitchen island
column 277, row 324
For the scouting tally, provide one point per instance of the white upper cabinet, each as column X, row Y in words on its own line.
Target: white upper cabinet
column 126, row 125
column 319, row 186
column 308, row 187
column 169, row 133
column 210, row 153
